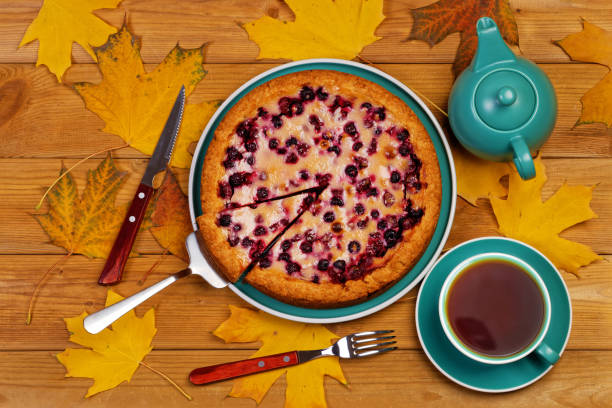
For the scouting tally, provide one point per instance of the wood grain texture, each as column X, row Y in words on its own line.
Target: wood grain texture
column 21, row 190
column 161, row 24
column 397, row 379
column 189, row 311
column 43, row 123
column 50, row 119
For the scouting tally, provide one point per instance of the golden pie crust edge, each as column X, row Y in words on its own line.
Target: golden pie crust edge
column 275, row 281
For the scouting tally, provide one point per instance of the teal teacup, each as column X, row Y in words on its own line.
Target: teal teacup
column 495, row 309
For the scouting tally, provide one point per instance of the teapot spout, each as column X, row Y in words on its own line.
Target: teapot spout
column 491, row 47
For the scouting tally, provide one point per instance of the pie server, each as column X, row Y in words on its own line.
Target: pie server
column 113, row 269
column 199, row 264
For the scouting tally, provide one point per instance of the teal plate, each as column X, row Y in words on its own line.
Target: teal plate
column 399, row 289
column 465, row 371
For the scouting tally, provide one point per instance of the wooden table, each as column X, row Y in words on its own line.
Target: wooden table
column 50, row 125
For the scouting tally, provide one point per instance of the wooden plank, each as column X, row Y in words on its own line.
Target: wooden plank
column 188, row 312
column 580, row 379
column 217, row 22
column 50, row 120
column 22, row 182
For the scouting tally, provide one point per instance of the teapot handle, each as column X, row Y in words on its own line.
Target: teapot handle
column 522, row 158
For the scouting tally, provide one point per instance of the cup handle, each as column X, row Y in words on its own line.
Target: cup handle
column 547, row 354
column 522, row 158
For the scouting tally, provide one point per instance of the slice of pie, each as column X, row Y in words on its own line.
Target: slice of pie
column 321, row 188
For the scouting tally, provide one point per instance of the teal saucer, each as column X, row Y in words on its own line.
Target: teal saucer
column 469, row 373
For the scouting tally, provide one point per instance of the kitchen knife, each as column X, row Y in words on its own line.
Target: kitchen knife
column 113, row 269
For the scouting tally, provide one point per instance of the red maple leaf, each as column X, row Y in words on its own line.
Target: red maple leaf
column 435, row 22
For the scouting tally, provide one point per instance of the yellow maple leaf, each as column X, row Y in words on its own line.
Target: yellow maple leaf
column 59, row 23
column 135, row 104
column 593, row 44
column 305, row 386
column 170, row 217
column 476, row 177
column 113, row 355
column 325, row 28
column 87, row 225
column 525, row 217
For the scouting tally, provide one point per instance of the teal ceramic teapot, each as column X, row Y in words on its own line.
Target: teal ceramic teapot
column 502, row 107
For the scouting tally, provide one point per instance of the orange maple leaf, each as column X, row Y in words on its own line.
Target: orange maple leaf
column 86, row 225
column 593, row 44
column 435, row 22
column 170, row 217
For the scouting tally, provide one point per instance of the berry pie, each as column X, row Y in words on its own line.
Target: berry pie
column 320, row 189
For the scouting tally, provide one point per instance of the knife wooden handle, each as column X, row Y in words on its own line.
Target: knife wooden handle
column 113, row 269
column 220, row 372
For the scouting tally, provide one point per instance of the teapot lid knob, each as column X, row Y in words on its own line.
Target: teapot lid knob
column 506, row 95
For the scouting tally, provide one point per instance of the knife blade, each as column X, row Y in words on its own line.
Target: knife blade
column 113, row 269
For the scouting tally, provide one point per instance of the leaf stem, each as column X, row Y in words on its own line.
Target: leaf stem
column 164, row 376
column 413, row 89
column 152, row 268
column 39, row 285
column 108, row 149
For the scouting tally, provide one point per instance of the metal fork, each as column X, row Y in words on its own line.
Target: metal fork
column 355, row 345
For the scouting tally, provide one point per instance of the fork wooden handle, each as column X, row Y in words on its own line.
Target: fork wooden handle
column 220, row 372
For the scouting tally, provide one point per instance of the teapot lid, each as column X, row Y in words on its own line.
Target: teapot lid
column 505, row 99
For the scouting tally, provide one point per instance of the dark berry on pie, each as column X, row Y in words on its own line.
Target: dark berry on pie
column 284, row 256
column 291, row 158
column 361, row 224
column 261, row 112
column 379, row 114
column 281, row 151
column 350, row 129
column 286, row 244
column 338, row 201
column 265, row 263
column 250, row 160
column 236, row 227
column 329, row 216
column 236, row 179
column 334, row 149
column 405, row 149
column 391, row 237
column 351, row 170
column 302, row 149
column 403, row 134
column 363, row 185
column 340, row 264
column 354, row 247
column 306, row 247
column 388, row 199
column 292, row 267
column 260, row 230
column 233, row 154
column 366, row 105
column 262, row 193
column 250, row 147
column 277, row 122
column 315, row 279
column 273, row 143
column 382, row 224
column 375, row 214
column 225, row 220
column 373, row 147
column 307, row 94
column 337, row 227
column 316, row 122
column 361, row 162
column 228, row 164
column 373, row 192
column 292, row 141
column 377, row 131
column 247, row 242
column 359, row 209
column 395, row 176
column 323, row 264
column 304, row 175
column 321, row 94
column 357, row 146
